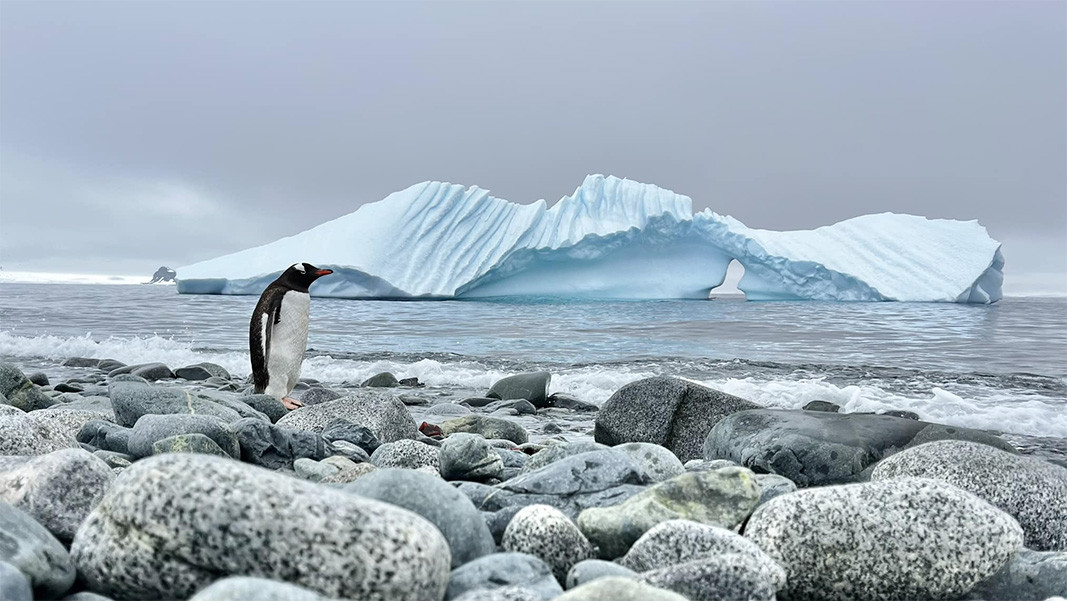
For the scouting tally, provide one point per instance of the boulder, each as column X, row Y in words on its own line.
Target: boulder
column 504, row 570
column 318, row 396
column 1029, row 576
column 244, row 588
column 615, row 588
column 1033, row 491
column 133, row 397
column 814, row 448
column 68, row 419
column 32, row 549
column 432, row 498
column 274, row 447
column 658, row 462
column 58, row 489
column 20, row 391
column 382, row 412
column 469, row 457
column 671, row 412
column 199, row 518
column 531, row 386
column 905, row 539
column 487, row 427
column 543, row 531
column 589, row 570
column 723, row 498
column 408, row 454
column 150, row 429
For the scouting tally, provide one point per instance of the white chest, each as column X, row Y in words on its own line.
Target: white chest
column 288, row 339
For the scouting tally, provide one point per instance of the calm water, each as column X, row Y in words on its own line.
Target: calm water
column 1001, row 367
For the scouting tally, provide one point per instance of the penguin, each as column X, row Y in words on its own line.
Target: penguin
column 278, row 332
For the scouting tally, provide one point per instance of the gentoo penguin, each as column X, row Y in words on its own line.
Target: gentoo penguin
column 278, row 333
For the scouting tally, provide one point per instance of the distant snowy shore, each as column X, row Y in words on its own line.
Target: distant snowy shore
column 35, row 277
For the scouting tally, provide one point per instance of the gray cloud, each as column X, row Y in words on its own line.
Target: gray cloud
column 136, row 134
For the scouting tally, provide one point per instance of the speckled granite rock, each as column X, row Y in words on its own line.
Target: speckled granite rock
column 723, row 497
column 1033, row 491
column 899, row 540
column 504, row 570
column 505, row 593
column 543, row 531
column 676, row 542
column 68, row 419
column 556, row 452
column 32, row 549
column 658, row 462
column 198, row 518
column 408, row 454
column 614, row 588
column 132, row 397
column 244, row 588
column 469, row 457
column 722, row 577
column 667, row 411
column 21, row 434
column 589, row 570
column 380, row 411
column 1029, row 576
column 58, row 489
column 487, row 427
column 14, row 586
column 152, row 428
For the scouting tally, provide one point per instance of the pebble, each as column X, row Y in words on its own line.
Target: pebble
column 504, row 570
column 469, row 457
column 1030, row 575
column 543, row 531
column 267, row 405
column 487, row 427
column 382, row 380
column 409, row 454
column 360, row 436
column 723, row 577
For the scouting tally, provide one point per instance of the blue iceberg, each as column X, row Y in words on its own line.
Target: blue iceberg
column 613, row 238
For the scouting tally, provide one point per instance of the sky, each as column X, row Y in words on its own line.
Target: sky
column 134, row 135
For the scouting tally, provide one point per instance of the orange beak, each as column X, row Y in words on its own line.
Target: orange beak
column 324, row 272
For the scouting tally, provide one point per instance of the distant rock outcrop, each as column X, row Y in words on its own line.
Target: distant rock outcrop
column 163, row 274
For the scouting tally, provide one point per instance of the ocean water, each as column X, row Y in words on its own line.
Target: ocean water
column 999, row 367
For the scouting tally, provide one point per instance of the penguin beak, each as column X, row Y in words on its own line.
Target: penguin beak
column 322, row 272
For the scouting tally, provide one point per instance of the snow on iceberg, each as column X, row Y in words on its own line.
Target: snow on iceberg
column 613, row 238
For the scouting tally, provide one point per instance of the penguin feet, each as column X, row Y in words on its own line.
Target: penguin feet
column 291, row 403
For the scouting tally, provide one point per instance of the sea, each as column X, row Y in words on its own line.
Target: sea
column 1000, row 367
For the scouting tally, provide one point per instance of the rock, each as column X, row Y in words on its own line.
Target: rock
column 446, row 508
column 578, row 481
column 133, row 397
column 721, row 498
column 615, row 588
column 32, row 549
column 86, row 596
column 202, row 371
column 703, row 465
column 21, row 434
column 350, row 474
column 347, row 450
column 318, row 396
column 902, row 413
column 243, row 409
column 267, row 405
column 188, row 443
column 13, row 585
column 379, row 411
column 152, row 428
column 413, row 400
column 109, row 365
column 69, row 420
column 20, row 391
column 543, row 531
column 468, row 457
column 113, row 459
column 444, row 409
column 512, row 407
column 58, row 489
column 309, row 469
column 813, row 448
column 504, row 593
column 551, row 428
column 147, row 371
column 382, row 380
column 1033, row 491
column 163, row 274
column 1029, row 576
column 274, row 447
column 67, row 387
column 193, row 529
column 658, row 462
column 501, row 570
column 409, row 454
column 824, row 406
column 909, row 538
column 773, row 485
column 361, row 436
column 105, row 435
column 589, row 570
column 554, row 453
column 39, row 378
column 510, row 458
column 676, row 542
column 715, row 578
column 81, row 362
column 666, row 411
column 532, row 387
column 413, row 382
column 488, row 427
column 566, row 401
column 243, row 588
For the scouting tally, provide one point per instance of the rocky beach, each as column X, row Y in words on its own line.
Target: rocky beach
column 151, row 481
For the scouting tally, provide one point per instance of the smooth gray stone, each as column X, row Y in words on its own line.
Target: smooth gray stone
column 543, row 531
column 106, row 436
column 81, row 362
column 67, row 387
column 20, row 391
column 1029, row 576
column 408, row 454
column 512, row 407
column 907, row 538
column 316, row 471
column 202, row 371
column 432, row 498
column 243, row 588
column 148, row 371
column 195, row 530
column 531, row 386
column 318, row 396
column 188, row 443
column 616, row 588
column 554, row 453
column 487, row 427
column 498, row 520
column 361, row 436
column 589, row 570
column 243, row 409
column 706, row 465
column 267, row 405
column 150, row 429
column 825, row 406
column 723, row 577
column 477, row 401
column 443, row 409
column 514, row 459
column 469, row 457
column 39, row 378
column 33, row 550
column 658, row 462
column 666, row 411
column 86, row 596
column 275, row 447
column 108, row 365
column 58, row 489
column 566, row 401
column 380, row 411
column 133, row 398
column 504, row 593
column 814, row 448
column 113, row 459
column 14, row 586
column 504, row 569
column 773, row 485
column 382, row 380
column 1032, row 491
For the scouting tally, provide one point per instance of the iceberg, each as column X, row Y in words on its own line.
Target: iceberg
column 613, row 238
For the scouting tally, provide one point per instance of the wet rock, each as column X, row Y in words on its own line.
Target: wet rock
column 447, row 509
column 58, row 489
column 20, row 391
column 148, row 371
column 909, row 538
column 347, row 450
column 274, row 447
column 194, row 531
column 566, row 401
column 188, row 443
column 659, row 463
column 243, row 588
column 813, row 448
column 1029, row 576
column 504, row 593
column 722, row 498
column 511, row 407
column 671, row 412
column 554, row 453
column 318, row 396
column 824, row 406
column 487, row 427
column 113, row 459
column 133, row 398
column 267, row 405
column 29, row 547
column 715, row 578
column 501, row 570
column 1033, row 491
column 361, row 436
column 150, row 429
column 773, row 485
column 589, row 570
column 408, row 454
column 531, row 386
column 468, row 457
column 13, row 585
column 21, row 434
column 202, row 371
column 615, row 588
column 543, row 531
column 108, row 365
column 380, row 411
column 382, row 380
column 81, row 362
column 106, row 436
column 349, row 473
column 39, row 378
column 67, row 387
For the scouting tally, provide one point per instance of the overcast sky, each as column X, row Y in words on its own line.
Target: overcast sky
column 134, row 135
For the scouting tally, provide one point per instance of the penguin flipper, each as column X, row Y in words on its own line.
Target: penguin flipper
column 272, row 315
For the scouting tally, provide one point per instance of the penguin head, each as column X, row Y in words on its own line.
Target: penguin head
column 300, row 276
